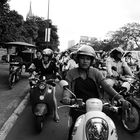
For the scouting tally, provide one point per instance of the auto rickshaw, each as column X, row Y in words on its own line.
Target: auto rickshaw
column 20, row 57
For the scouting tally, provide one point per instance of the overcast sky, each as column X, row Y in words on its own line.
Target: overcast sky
column 75, row 18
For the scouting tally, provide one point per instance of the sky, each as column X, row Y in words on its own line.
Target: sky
column 75, row 18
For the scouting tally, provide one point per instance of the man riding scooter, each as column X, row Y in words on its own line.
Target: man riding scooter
column 85, row 80
column 116, row 60
column 46, row 67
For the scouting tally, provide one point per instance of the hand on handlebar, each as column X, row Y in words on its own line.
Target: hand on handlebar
column 66, row 100
column 76, row 102
column 125, row 103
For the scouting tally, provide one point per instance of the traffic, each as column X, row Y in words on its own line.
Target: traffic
column 85, row 94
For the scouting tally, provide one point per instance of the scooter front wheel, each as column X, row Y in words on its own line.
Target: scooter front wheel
column 11, row 80
column 39, row 124
column 131, row 122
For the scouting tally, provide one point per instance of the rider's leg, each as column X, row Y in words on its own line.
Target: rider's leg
column 55, row 110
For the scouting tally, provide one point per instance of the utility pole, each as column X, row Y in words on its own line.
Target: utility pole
column 48, row 30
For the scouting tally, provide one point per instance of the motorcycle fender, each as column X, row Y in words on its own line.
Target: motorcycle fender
column 78, row 130
column 40, row 109
column 80, row 133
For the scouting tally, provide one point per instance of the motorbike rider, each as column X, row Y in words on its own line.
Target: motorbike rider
column 116, row 59
column 46, row 67
column 85, row 80
column 36, row 62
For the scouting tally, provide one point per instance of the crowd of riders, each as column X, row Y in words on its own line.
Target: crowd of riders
column 86, row 71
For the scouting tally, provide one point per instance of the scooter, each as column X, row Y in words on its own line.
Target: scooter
column 14, row 73
column 41, row 91
column 94, row 124
column 130, row 118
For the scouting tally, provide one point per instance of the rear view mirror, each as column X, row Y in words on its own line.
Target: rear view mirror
column 63, row 83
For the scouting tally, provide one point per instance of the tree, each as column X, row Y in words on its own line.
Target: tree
column 128, row 36
column 11, row 24
column 4, row 9
column 14, row 27
column 31, row 30
column 40, row 40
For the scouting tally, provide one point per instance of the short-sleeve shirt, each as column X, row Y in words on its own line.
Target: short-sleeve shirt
column 48, row 71
column 119, row 65
column 87, row 88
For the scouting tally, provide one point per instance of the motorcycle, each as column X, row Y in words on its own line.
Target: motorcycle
column 130, row 118
column 41, row 92
column 94, row 124
column 14, row 73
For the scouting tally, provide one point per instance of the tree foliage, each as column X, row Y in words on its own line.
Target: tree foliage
column 31, row 30
column 40, row 40
column 128, row 36
column 14, row 28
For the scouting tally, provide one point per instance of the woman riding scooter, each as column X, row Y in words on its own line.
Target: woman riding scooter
column 47, row 67
column 85, row 80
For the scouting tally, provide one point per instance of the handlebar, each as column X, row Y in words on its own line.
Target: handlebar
column 49, row 81
column 74, row 103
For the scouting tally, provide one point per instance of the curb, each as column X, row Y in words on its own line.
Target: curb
column 12, row 119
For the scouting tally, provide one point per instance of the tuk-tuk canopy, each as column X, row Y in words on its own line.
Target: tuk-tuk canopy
column 20, row 44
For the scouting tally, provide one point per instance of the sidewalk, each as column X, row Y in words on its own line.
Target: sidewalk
column 12, row 103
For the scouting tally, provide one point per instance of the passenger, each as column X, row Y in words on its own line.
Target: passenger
column 47, row 67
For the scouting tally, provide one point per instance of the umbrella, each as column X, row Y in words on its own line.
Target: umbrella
column 20, row 44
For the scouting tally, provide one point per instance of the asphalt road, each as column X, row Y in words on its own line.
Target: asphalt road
column 24, row 129
column 10, row 98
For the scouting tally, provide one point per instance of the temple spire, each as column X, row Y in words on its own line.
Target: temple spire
column 30, row 14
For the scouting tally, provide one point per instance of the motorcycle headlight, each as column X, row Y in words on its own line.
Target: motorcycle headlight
column 97, row 129
column 41, row 86
column 49, row 90
column 41, row 97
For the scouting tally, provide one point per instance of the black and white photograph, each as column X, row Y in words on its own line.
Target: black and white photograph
column 69, row 69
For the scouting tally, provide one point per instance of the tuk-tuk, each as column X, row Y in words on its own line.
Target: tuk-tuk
column 20, row 57
column 25, row 52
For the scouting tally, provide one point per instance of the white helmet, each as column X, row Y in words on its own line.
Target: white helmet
column 86, row 50
column 47, row 52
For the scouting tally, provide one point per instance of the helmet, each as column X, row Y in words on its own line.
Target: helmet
column 86, row 50
column 73, row 54
column 116, row 51
column 47, row 52
column 128, row 54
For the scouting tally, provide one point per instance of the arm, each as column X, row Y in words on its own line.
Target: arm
column 66, row 95
column 101, row 80
column 109, row 65
column 127, row 69
column 110, row 91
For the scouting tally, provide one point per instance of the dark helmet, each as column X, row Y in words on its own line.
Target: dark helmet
column 114, row 52
column 128, row 54
column 73, row 54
